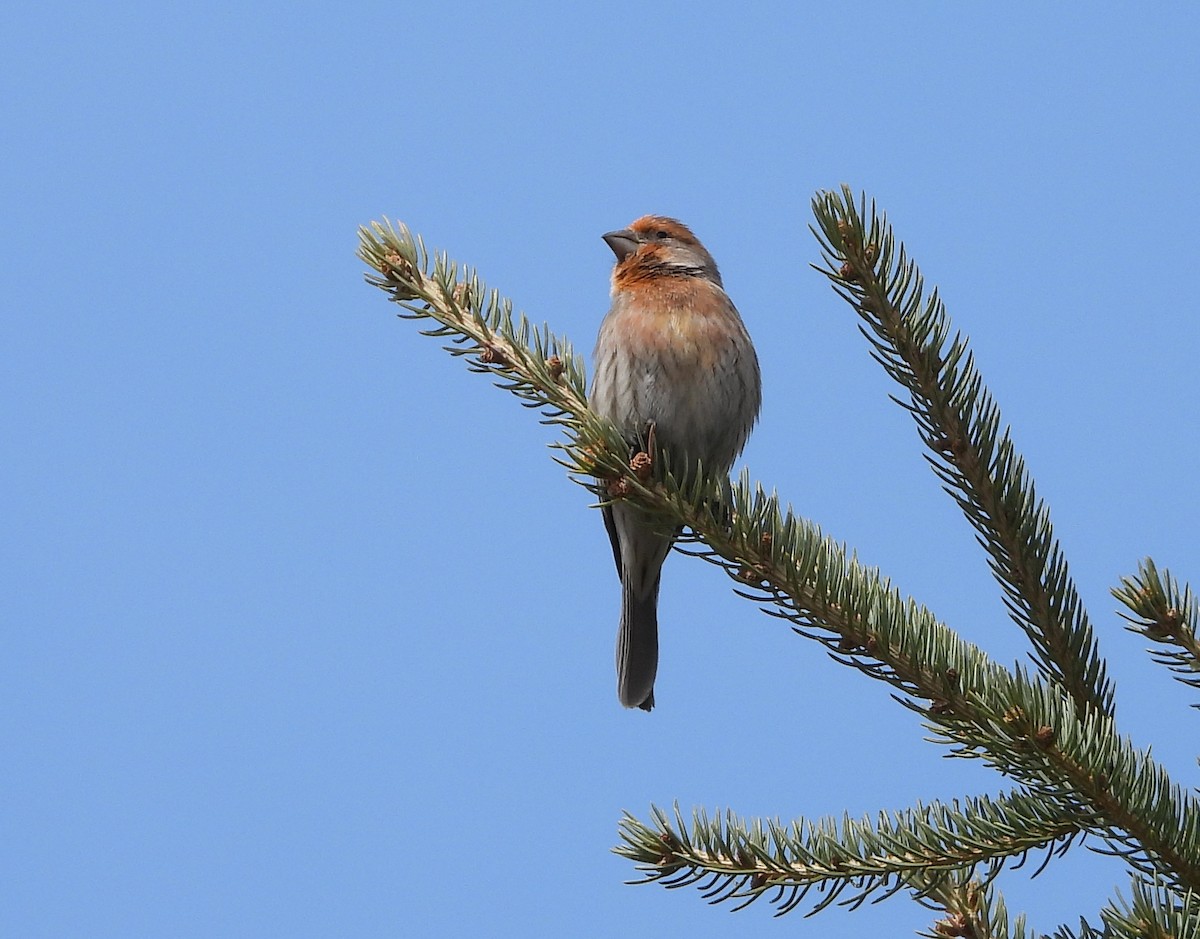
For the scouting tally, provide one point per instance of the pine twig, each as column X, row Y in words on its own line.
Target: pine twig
column 1167, row 615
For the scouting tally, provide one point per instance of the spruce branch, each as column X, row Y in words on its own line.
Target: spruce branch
column 533, row 363
column 1166, row 615
column 1037, row 733
column 959, row 423
column 850, row 861
column 1026, row 729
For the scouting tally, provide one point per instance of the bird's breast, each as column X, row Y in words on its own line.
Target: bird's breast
column 678, row 355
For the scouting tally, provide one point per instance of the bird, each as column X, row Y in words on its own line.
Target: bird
column 676, row 372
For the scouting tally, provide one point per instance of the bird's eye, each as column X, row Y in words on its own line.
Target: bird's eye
column 661, row 235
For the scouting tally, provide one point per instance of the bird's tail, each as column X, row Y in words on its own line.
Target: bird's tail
column 637, row 646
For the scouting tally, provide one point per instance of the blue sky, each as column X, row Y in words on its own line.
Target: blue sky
column 305, row 634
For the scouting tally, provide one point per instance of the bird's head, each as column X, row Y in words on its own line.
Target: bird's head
column 657, row 246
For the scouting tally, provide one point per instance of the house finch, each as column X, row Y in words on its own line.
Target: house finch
column 673, row 364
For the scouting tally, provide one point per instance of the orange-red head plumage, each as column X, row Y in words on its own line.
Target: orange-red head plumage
column 657, row 246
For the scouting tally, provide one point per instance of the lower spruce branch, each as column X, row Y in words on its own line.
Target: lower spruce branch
column 924, row 850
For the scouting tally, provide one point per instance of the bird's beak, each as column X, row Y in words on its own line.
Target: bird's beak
column 623, row 243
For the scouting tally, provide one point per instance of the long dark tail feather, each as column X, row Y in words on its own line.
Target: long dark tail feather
column 637, row 648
